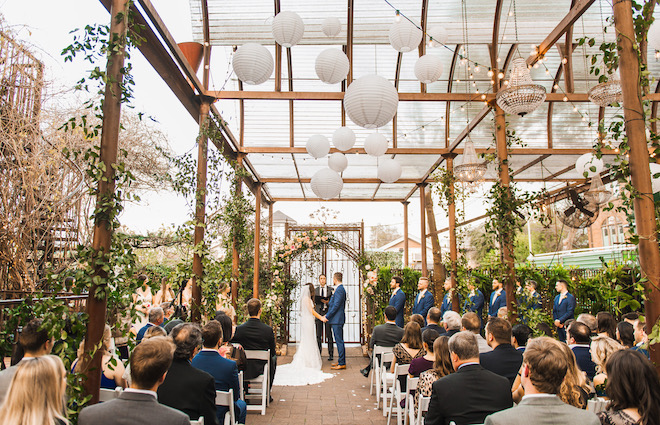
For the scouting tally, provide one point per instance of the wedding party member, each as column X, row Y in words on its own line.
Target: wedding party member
column 602, row 348
column 398, row 299
column 424, row 299
column 497, row 299
column 446, row 300
column 533, row 300
column 143, row 300
column 442, row 366
column 336, row 316
column 470, row 322
column 475, row 302
column 386, row 335
column 606, row 324
column 322, row 296
column 224, row 301
column 504, row 360
column 165, row 294
column 578, row 339
column 156, row 318
column 563, row 308
column 433, row 319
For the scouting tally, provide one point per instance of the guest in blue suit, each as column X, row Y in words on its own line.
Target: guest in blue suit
column 337, row 317
column 578, row 337
column 563, row 308
column 398, row 299
column 475, row 301
column 446, row 300
column 424, row 300
column 497, row 299
column 223, row 370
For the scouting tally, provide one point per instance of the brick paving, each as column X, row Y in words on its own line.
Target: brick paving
column 342, row 400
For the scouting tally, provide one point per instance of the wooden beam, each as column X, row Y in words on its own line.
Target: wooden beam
column 278, row 55
column 207, row 46
column 349, row 41
column 560, row 172
column 530, row 164
column 406, row 255
column 422, row 46
column 336, row 200
column 428, row 151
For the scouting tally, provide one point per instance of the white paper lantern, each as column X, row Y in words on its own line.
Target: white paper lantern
column 371, row 101
column 343, row 138
column 331, row 27
column 438, row 36
column 389, row 170
column 332, row 66
column 376, row 144
column 326, row 183
column 404, row 36
column 655, row 182
column 428, row 69
column 288, row 28
column 253, row 63
column 654, row 37
column 586, row 162
column 318, row 146
column 337, row 162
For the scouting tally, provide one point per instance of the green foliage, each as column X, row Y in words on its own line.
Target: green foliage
column 382, row 291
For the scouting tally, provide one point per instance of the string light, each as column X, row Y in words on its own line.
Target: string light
column 500, row 75
column 397, row 18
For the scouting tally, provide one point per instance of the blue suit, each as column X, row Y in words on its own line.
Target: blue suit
column 475, row 303
column 398, row 301
column 563, row 311
column 423, row 304
column 446, row 304
column 225, row 373
column 337, row 317
column 534, row 302
column 142, row 331
column 496, row 303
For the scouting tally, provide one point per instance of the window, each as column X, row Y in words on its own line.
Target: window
column 612, row 231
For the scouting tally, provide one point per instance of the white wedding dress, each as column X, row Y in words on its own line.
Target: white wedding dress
column 305, row 369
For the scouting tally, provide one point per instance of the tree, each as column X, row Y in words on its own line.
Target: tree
column 382, row 234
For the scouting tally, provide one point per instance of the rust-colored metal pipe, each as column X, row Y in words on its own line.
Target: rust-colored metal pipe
column 422, row 223
column 257, row 239
column 453, row 248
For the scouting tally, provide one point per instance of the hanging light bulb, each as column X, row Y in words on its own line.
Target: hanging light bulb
column 607, row 93
column 597, row 193
column 490, row 73
column 397, row 18
column 522, row 96
column 471, row 169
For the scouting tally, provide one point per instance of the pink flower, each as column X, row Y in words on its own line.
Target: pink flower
column 318, row 239
column 315, row 232
column 276, row 272
column 368, row 267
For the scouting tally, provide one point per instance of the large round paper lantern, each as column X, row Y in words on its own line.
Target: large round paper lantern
column 288, row 28
column 331, row 27
column 326, row 183
column 337, row 162
column 655, row 169
column 343, row 138
column 404, row 36
column 438, row 35
column 318, row 146
column 375, row 144
column 389, row 170
column 332, row 66
column 371, row 101
column 428, row 69
column 253, row 63
column 586, row 162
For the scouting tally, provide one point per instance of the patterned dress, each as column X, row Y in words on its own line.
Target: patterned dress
column 616, row 417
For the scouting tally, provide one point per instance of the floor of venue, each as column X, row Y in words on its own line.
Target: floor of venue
column 343, row 399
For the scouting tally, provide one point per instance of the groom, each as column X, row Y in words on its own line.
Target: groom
column 336, row 317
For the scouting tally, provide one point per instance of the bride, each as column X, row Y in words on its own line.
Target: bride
column 305, row 369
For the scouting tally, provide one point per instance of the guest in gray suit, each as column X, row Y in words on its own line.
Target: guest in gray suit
column 543, row 370
column 150, row 361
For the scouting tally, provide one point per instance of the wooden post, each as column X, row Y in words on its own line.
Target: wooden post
column 270, row 232
column 406, row 254
column 422, row 222
column 453, row 248
column 96, row 306
column 257, row 239
column 234, row 248
column 438, row 269
column 645, row 220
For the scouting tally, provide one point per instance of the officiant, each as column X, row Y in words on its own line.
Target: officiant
column 322, row 296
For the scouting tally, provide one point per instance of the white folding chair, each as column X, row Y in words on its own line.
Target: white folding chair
column 226, row 398
column 199, row 421
column 385, row 380
column 375, row 368
column 422, row 408
column 240, row 386
column 259, row 387
column 411, row 386
column 106, row 394
column 597, row 404
column 396, row 394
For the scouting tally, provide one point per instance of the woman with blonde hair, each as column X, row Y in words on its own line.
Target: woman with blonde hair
column 165, row 294
column 601, row 349
column 574, row 390
column 36, row 393
column 113, row 368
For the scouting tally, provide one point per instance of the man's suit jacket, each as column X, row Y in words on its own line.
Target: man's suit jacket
column 446, row 304
column 534, row 301
column 475, row 303
column 142, row 331
column 496, row 303
column 543, row 411
column 423, row 304
column 583, row 359
column 224, row 372
column 386, row 335
column 255, row 335
column 189, row 390
column 132, row 408
column 504, row 360
column 320, row 307
column 467, row 396
column 5, row 379
column 565, row 309
column 398, row 301
column 336, row 314
column 439, row 329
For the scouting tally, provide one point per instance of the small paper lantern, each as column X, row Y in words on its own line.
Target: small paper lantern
column 389, row 170
column 404, row 36
column 428, row 69
column 653, row 36
column 438, row 36
column 371, row 101
column 375, row 144
column 253, row 63
column 337, row 162
column 343, row 138
column 318, row 146
column 586, row 162
column 288, row 28
column 655, row 182
column 332, row 66
column 326, row 183
column 331, row 27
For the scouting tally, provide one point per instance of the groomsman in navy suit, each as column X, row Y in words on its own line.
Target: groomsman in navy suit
column 446, row 300
column 534, row 300
column 475, row 302
column 563, row 308
column 497, row 299
column 424, row 300
column 337, row 317
column 398, row 299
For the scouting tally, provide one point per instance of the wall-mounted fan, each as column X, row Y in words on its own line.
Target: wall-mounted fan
column 573, row 210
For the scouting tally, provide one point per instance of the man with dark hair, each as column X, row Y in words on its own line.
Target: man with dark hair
column 641, row 339
column 156, row 318
column 563, row 308
column 386, row 335
column 424, row 299
column 590, row 321
column 470, row 322
column 543, row 371
column 497, row 299
column 475, row 302
column 433, row 319
column 187, row 388
column 504, row 360
column 534, row 298
column 322, row 295
column 224, row 371
column 35, row 342
column 579, row 339
column 520, row 335
column 336, row 316
column 446, row 300
column 398, row 299
column 138, row 404
column 472, row 392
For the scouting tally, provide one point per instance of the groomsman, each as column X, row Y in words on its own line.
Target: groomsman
column 398, row 299
column 497, row 299
column 424, row 300
column 446, row 300
column 534, row 301
column 322, row 297
column 475, row 301
column 563, row 308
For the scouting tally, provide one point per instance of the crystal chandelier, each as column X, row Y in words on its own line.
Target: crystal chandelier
column 597, row 193
column 607, row 93
column 470, row 170
column 522, row 96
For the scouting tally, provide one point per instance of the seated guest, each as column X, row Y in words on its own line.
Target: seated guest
column 424, row 363
column 519, row 336
column 156, row 317
column 386, row 335
column 228, row 350
column 471, row 322
column 578, row 337
column 625, row 334
column 472, row 392
column 602, row 348
column 36, row 393
column 574, row 390
column 419, row 319
column 503, row 313
column 631, row 317
column 504, row 360
column 641, row 339
column 432, row 319
column 589, row 320
column 452, row 323
column 544, row 329
column 606, row 324
column 113, row 368
column 138, row 404
column 187, row 388
column 152, row 332
column 634, row 390
column 168, row 312
column 409, row 348
column 441, row 367
column 224, row 371
column 543, row 371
